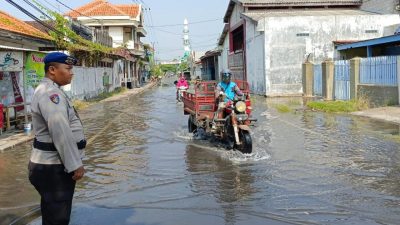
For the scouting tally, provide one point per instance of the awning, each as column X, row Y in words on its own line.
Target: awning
column 371, row 42
column 19, row 49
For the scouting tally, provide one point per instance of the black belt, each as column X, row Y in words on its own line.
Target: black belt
column 51, row 147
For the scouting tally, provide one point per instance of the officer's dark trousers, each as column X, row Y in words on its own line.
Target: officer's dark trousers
column 56, row 188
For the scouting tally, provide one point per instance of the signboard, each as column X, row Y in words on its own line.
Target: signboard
column 11, row 61
column 34, row 69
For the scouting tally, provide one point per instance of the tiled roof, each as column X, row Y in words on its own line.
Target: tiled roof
column 40, row 27
column 104, row 8
column 301, row 2
column 9, row 23
column 289, row 3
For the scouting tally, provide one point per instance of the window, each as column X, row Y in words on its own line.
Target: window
column 303, row 34
column 237, row 37
column 371, row 31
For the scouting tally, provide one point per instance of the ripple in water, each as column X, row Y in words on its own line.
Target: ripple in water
column 259, row 148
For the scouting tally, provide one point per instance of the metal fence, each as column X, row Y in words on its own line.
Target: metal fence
column 342, row 80
column 318, row 80
column 379, row 71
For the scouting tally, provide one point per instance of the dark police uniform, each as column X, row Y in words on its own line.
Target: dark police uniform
column 57, row 148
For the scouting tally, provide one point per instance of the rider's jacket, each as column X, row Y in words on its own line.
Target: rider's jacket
column 230, row 89
column 59, row 137
column 182, row 83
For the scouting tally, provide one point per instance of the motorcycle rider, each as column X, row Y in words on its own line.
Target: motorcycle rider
column 227, row 87
column 226, row 90
column 181, row 84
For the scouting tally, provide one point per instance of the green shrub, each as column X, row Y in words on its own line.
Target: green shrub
column 340, row 106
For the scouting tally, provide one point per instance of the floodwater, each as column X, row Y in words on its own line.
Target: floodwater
column 144, row 168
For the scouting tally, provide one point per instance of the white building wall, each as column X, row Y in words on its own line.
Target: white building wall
column 236, row 15
column 117, row 34
column 285, row 50
column 88, row 82
column 380, row 6
column 255, row 58
column 223, row 57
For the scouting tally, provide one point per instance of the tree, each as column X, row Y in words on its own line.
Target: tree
column 169, row 68
column 155, row 70
column 183, row 66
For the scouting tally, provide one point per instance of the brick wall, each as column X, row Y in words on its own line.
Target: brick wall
column 380, row 6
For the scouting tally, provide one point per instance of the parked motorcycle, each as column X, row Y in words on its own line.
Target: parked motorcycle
column 180, row 91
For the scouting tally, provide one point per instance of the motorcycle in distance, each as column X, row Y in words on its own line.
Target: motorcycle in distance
column 227, row 121
column 180, row 91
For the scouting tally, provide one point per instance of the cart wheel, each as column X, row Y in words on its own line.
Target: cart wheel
column 191, row 126
column 247, row 143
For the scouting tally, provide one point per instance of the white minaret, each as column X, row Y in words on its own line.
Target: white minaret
column 186, row 42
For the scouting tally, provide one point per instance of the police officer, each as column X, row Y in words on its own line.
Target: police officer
column 56, row 160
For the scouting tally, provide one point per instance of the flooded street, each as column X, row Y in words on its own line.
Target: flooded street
column 143, row 168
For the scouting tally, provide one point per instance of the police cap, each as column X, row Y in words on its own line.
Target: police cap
column 59, row 57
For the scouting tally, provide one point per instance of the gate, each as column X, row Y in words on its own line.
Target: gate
column 342, row 80
column 318, row 80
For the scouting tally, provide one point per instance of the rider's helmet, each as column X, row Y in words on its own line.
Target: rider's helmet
column 226, row 75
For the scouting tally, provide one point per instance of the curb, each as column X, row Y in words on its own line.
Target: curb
column 10, row 142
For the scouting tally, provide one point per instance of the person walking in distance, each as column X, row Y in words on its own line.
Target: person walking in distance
column 56, row 159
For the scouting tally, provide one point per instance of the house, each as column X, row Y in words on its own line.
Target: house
column 209, row 65
column 124, row 24
column 20, row 45
column 18, row 34
column 266, row 41
column 195, row 64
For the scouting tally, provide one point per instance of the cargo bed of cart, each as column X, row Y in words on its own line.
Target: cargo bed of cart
column 200, row 101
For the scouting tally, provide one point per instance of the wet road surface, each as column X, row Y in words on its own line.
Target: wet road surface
column 143, row 168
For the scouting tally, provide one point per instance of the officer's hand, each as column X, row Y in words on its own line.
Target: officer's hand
column 78, row 173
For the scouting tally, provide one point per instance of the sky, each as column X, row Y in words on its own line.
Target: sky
column 163, row 21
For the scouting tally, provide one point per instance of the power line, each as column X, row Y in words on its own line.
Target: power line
column 204, row 41
column 54, row 7
column 165, row 51
column 22, row 9
column 192, row 35
column 37, row 9
column 150, row 19
column 32, row 16
column 197, row 22
column 144, row 4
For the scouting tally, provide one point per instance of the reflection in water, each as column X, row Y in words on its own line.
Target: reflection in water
column 116, row 149
column 361, row 159
column 231, row 185
column 17, row 196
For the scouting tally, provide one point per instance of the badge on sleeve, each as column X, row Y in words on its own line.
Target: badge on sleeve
column 55, row 98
